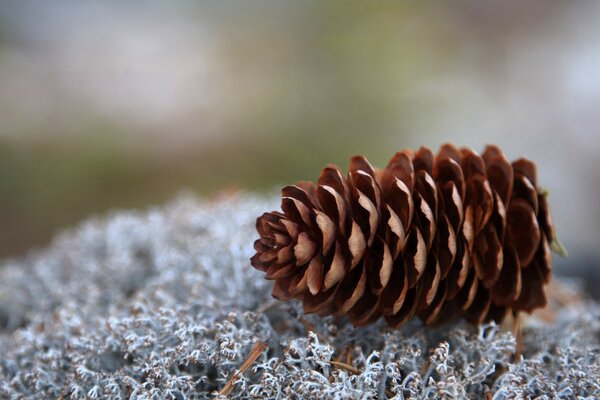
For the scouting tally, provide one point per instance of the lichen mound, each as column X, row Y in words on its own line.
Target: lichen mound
column 163, row 303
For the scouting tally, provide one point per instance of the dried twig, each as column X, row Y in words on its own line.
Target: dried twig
column 487, row 394
column 349, row 354
column 345, row 366
column 517, row 333
column 257, row 349
column 268, row 306
column 346, row 353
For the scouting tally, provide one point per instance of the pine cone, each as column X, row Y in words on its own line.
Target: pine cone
column 435, row 237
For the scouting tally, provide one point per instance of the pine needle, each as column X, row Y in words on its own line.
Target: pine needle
column 257, row 349
column 345, row 366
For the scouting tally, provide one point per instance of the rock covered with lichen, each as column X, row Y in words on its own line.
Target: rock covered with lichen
column 163, row 303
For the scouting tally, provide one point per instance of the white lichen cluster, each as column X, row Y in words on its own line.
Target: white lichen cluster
column 164, row 304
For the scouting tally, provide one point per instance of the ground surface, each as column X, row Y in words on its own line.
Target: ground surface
column 164, row 304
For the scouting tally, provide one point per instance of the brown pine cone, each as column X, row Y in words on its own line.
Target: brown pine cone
column 457, row 233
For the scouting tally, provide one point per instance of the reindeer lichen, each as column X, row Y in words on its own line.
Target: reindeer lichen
column 163, row 304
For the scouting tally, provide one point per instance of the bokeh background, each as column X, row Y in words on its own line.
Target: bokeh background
column 108, row 105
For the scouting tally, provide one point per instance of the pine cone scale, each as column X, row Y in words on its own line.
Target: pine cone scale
column 525, row 229
column 508, row 287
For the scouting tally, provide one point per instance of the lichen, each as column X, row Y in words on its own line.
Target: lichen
column 164, row 304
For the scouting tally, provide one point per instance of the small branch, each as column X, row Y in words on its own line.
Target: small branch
column 269, row 306
column 517, row 333
column 345, row 366
column 346, row 353
column 487, row 394
column 349, row 354
column 257, row 349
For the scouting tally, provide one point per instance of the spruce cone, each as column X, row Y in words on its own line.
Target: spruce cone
column 457, row 233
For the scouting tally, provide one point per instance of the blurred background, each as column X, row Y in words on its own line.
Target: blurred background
column 108, row 105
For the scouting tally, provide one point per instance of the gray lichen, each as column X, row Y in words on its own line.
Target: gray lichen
column 163, row 304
